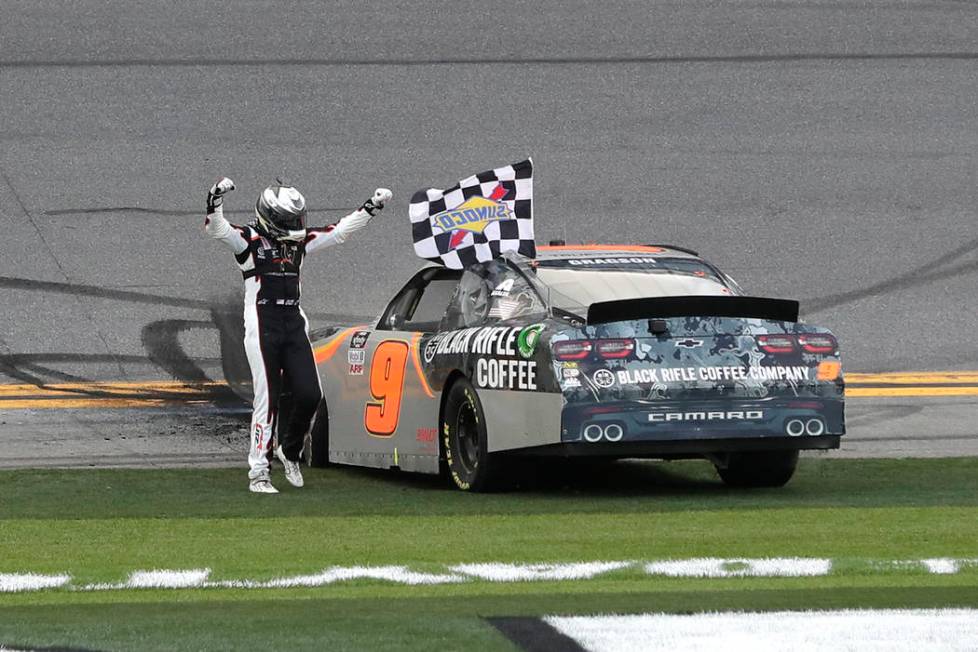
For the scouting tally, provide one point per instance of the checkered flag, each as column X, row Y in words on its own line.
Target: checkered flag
column 477, row 219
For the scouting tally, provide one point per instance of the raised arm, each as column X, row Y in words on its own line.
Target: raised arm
column 320, row 238
column 216, row 226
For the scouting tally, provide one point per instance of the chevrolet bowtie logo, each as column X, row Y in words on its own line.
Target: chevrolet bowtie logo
column 689, row 343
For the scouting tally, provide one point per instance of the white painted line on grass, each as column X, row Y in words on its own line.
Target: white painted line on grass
column 537, row 572
column 168, row 579
column 707, row 567
column 862, row 630
column 714, row 567
column 941, row 566
column 399, row 574
column 20, row 582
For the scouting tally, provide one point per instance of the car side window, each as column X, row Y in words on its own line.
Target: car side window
column 421, row 305
column 490, row 293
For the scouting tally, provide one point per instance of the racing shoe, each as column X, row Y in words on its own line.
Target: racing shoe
column 292, row 471
column 262, row 485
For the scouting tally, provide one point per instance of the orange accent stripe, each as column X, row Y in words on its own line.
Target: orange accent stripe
column 326, row 351
column 416, row 356
column 596, row 247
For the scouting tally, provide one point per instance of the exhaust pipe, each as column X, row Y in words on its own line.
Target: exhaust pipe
column 815, row 427
column 614, row 432
column 795, row 428
column 592, row 433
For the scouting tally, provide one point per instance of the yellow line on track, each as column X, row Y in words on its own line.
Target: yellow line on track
column 913, row 378
column 74, row 389
column 869, row 392
column 46, row 404
column 119, row 393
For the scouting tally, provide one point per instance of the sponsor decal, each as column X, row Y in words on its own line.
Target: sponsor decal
column 603, row 378
column 506, row 374
column 430, row 348
column 528, row 339
column 497, row 341
column 614, row 262
column 733, row 415
column 689, row 343
column 504, row 288
column 426, row 435
column 359, row 339
column 633, row 260
column 571, row 372
column 356, row 359
column 500, row 349
column 712, row 374
column 472, row 216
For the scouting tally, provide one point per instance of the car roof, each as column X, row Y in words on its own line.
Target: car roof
column 561, row 252
column 577, row 251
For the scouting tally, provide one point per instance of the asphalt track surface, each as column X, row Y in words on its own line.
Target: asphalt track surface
column 824, row 151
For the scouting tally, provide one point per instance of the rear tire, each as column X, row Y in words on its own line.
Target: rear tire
column 317, row 442
column 465, row 442
column 759, row 469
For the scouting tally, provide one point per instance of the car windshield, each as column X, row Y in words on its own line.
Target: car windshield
column 573, row 284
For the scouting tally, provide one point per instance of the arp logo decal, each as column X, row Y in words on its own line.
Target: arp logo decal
column 471, row 216
column 356, row 359
column 603, row 378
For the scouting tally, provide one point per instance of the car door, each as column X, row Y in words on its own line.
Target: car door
column 383, row 412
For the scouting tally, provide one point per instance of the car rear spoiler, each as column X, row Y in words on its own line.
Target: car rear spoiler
column 693, row 306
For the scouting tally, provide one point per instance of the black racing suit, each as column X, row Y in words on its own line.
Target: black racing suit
column 276, row 328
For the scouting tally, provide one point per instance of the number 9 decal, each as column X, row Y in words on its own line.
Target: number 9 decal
column 381, row 415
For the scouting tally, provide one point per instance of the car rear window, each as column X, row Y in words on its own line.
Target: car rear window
column 579, row 282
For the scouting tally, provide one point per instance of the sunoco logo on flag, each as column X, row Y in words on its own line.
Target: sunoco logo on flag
column 477, row 219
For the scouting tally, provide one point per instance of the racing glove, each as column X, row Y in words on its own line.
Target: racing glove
column 376, row 203
column 215, row 196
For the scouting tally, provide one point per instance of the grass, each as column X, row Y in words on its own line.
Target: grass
column 101, row 525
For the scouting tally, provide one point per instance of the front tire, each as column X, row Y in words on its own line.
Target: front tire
column 465, row 442
column 317, row 441
column 759, row 469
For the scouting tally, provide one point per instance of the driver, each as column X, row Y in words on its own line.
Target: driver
column 270, row 252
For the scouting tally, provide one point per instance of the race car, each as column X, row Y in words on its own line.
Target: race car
column 604, row 351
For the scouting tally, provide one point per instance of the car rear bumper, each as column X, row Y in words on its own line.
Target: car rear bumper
column 680, row 449
column 804, row 421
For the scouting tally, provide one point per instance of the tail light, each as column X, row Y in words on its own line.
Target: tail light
column 817, row 343
column 615, row 349
column 777, row 343
column 572, row 349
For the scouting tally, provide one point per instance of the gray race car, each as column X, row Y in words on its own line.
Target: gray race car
column 623, row 351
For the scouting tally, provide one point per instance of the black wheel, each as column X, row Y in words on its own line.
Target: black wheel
column 759, row 469
column 464, row 440
column 316, row 450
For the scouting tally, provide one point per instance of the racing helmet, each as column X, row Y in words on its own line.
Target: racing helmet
column 280, row 212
